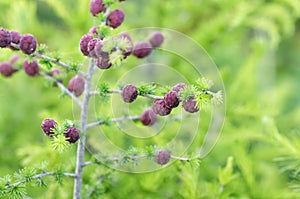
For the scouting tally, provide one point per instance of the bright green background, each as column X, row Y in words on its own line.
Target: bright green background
column 255, row 44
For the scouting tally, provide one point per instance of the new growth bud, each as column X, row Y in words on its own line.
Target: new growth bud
column 31, row 68
column 178, row 87
column 156, row 39
column 83, row 45
column 159, row 107
column 162, row 157
column 72, row 134
column 6, row 69
column 190, row 105
column 96, row 6
column 129, row 93
column 28, row 44
column 76, row 85
column 5, row 38
column 171, row 99
column 148, row 117
column 142, row 49
column 15, row 37
column 48, row 125
column 115, row 18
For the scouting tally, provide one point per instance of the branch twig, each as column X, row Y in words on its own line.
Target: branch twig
column 120, row 91
column 134, row 157
column 127, row 118
column 63, row 88
column 39, row 176
column 82, row 140
column 55, row 61
column 120, row 119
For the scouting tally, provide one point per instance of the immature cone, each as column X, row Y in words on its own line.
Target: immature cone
column 190, row 105
column 103, row 62
column 94, row 31
column 148, row 117
column 6, row 69
column 125, row 35
column 156, row 39
column 15, row 36
column 96, row 6
column 28, row 44
column 31, row 68
column 129, row 93
column 72, row 134
column 13, row 59
column 54, row 72
column 115, row 18
column 162, row 157
column 142, row 49
column 128, row 51
column 159, row 107
column 76, row 85
column 98, row 49
column 83, row 44
column 179, row 87
column 91, row 46
column 171, row 99
column 48, row 125
column 5, row 38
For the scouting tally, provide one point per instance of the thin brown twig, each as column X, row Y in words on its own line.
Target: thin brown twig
column 127, row 118
column 134, row 157
column 120, row 119
column 120, row 91
column 53, row 60
column 63, row 88
column 37, row 176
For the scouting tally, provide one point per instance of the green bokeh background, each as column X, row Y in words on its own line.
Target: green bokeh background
column 255, row 45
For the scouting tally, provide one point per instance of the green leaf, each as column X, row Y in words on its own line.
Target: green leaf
column 108, row 45
column 195, row 162
column 108, row 3
column 28, row 173
column 203, row 83
column 58, row 175
column 150, row 151
column 103, row 88
column 60, row 143
column 42, row 48
column 147, row 89
column 67, row 123
column 6, row 179
column 116, row 58
column 187, row 92
column 203, row 101
column 106, row 121
column 122, row 43
column 226, row 174
column 74, row 66
column 41, row 183
column 217, row 98
column 133, row 151
column 17, row 192
column 103, row 30
column 56, row 55
column 46, row 63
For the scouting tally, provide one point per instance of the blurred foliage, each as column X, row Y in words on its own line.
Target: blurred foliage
column 255, row 44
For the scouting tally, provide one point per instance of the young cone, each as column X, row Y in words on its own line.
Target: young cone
column 162, row 157
column 76, row 85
